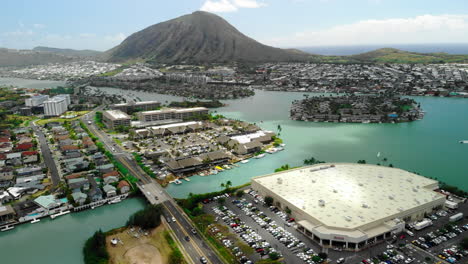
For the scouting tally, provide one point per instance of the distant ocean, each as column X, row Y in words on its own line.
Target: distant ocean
column 421, row 48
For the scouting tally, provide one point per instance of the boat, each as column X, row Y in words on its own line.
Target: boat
column 187, row 179
column 463, row 141
column 378, row 155
column 219, row 168
column 35, row 220
column 6, row 228
column 244, row 161
column 271, row 150
column 226, row 167
column 282, row 145
column 214, row 172
column 280, row 149
column 115, row 200
column 260, row 156
column 178, row 182
column 59, row 214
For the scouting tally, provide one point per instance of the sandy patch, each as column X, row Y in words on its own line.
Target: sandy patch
column 141, row 249
column 143, row 254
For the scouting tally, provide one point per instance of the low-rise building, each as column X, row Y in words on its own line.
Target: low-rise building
column 350, row 206
column 116, row 118
column 165, row 114
column 136, row 106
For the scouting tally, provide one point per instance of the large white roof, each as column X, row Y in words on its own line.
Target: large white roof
column 352, row 195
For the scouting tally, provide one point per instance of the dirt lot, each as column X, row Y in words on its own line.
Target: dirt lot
column 150, row 249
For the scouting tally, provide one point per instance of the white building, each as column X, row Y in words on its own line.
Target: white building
column 351, row 206
column 57, row 105
column 36, row 100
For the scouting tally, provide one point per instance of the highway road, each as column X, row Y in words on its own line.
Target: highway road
column 47, row 155
column 195, row 247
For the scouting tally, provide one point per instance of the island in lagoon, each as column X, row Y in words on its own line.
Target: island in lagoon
column 356, row 109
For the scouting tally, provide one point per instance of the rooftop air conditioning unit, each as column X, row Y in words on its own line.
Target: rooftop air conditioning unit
column 280, row 181
column 321, row 203
column 365, row 205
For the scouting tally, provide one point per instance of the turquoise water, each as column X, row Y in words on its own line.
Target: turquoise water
column 61, row 240
column 29, row 83
column 429, row 146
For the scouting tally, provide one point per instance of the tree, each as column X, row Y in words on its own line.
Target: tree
column 361, row 162
column 221, row 200
column 239, row 193
column 322, row 255
column 464, row 243
column 274, row 255
column 94, row 250
column 268, row 200
column 148, row 218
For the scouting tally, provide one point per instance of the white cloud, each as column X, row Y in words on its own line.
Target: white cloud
column 419, row 29
column 224, row 6
column 39, row 26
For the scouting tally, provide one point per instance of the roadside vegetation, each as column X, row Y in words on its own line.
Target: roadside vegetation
column 148, row 218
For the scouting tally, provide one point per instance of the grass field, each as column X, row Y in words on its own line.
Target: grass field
column 61, row 120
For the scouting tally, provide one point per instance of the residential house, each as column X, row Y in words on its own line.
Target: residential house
column 30, row 157
column 79, row 197
column 109, row 190
column 123, row 186
column 7, row 214
column 78, row 184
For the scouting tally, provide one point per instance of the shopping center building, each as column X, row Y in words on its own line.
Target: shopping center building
column 351, row 206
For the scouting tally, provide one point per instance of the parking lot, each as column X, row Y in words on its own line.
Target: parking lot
column 267, row 230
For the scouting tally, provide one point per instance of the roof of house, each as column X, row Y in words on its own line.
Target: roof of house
column 111, row 173
column 123, row 183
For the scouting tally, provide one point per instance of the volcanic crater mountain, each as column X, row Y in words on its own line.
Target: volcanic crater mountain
column 197, row 37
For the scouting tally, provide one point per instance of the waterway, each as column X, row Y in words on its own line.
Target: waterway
column 430, row 146
column 61, row 240
column 30, row 83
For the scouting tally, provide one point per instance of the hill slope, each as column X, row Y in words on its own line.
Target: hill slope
column 389, row 55
column 10, row 57
column 197, row 37
column 69, row 52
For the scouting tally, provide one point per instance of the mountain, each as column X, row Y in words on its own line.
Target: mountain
column 11, row 57
column 390, row 55
column 198, row 37
column 69, row 52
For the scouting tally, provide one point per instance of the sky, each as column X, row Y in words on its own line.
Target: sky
column 103, row 24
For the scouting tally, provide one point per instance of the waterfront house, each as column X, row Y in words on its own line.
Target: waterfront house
column 79, row 197
column 109, row 190
column 7, row 214
column 47, row 202
column 95, row 194
column 123, row 186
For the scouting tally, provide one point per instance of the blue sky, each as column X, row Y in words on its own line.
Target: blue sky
column 102, row 24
